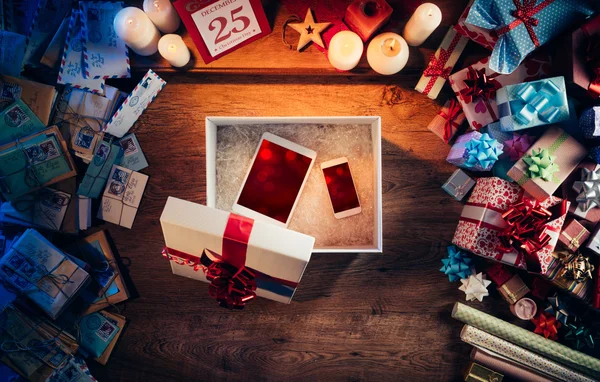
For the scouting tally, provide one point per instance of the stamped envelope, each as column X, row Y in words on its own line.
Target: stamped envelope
column 122, row 196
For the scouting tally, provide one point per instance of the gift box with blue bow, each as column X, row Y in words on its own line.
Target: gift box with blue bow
column 475, row 151
column 531, row 104
column 524, row 25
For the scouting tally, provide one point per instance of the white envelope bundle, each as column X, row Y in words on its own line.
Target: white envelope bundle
column 238, row 256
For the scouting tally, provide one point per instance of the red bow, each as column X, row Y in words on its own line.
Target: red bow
column 546, row 325
column 524, row 15
column 454, row 110
column 436, row 65
column 232, row 287
column 592, row 59
column 480, row 85
column 526, row 230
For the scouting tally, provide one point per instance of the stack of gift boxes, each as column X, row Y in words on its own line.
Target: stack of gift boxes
column 523, row 131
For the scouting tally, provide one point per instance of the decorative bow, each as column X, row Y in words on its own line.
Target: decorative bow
column 578, row 268
column 516, row 147
column 436, row 65
column 589, row 197
column 558, row 309
column 523, row 14
column 232, row 287
column 454, row 111
column 480, row 85
column 458, row 265
column 482, row 152
column 475, row 287
column 580, row 336
column 592, row 60
column 537, row 103
column 526, row 230
column 546, row 325
column 541, row 165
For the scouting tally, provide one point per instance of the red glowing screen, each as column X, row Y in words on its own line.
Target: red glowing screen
column 274, row 181
column 341, row 187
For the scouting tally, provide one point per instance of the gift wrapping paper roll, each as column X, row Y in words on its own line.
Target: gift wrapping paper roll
column 506, row 367
column 526, row 339
column 527, row 358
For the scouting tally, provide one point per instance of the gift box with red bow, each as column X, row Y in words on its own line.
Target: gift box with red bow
column 239, row 257
column 476, row 86
column 447, row 121
column 502, row 223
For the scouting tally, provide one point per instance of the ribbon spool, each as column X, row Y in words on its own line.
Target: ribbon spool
column 538, row 103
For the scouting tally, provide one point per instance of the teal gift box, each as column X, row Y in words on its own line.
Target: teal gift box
column 531, row 104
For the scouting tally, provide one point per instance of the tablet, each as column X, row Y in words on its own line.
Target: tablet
column 273, row 183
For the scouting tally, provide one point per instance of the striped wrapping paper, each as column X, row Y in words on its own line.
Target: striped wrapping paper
column 481, row 339
column 590, row 366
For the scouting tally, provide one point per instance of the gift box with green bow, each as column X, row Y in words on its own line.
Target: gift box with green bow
column 547, row 163
column 531, row 104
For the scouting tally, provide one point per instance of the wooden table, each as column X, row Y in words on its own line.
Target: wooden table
column 354, row 316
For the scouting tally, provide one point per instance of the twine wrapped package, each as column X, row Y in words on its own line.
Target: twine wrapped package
column 255, row 258
column 547, row 163
column 532, row 104
column 39, row 97
column 475, row 87
column 524, row 25
column 490, row 222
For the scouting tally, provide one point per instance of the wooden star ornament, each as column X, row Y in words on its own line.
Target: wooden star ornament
column 309, row 31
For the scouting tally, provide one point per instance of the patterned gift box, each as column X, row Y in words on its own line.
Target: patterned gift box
column 481, row 223
column 447, row 121
column 531, row 104
column 573, row 235
column 555, row 275
column 479, row 35
column 571, row 189
column 441, row 63
column 476, row 87
column 475, row 151
column 547, row 163
column 524, row 25
column 459, row 184
column 589, row 122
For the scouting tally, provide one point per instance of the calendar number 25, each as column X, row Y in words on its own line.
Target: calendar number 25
column 222, row 21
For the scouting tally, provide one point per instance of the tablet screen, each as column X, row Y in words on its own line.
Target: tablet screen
column 274, row 181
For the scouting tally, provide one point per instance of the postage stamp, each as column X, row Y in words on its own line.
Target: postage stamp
column 50, row 149
column 15, row 116
column 35, row 154
column 84, row 138
column 129, row 146
column 105, row 331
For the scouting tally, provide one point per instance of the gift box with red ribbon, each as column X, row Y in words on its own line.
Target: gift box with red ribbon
column 239, row 257
column 447, row 121
column 502, row 223
column 476, row 86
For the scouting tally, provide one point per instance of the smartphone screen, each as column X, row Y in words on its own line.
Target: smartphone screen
column 341, row 187
column 274, row 181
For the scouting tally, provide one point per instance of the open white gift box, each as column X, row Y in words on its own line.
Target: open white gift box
column 360, row 129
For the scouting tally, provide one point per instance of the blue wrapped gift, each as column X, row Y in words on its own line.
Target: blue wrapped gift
column 524, row 25
column 589, row 122
column 531, row 104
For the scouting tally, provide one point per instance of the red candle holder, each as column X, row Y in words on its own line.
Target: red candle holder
column 365, row 17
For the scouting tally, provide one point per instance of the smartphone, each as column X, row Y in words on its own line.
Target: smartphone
column 275, row 180
column 341, row 188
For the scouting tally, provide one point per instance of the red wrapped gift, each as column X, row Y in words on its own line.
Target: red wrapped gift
column 573, row 235
column 540, row 288
column 365, row 17
column 499, row 218
column 499, row 274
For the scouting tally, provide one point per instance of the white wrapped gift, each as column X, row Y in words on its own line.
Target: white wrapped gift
column 277, row 256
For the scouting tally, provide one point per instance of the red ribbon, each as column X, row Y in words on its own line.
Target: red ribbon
column 524, row 13
column 436, row 67
column 592, row 59
column 546, row 325
column 480, row 85
column 526, row 231
column 454, row 110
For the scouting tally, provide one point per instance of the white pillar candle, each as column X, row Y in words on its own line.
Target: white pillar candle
column 345, row 50
column 387, row 53
column 422, row 23
column 174, row 50
column 162, row 14
column 134, row 27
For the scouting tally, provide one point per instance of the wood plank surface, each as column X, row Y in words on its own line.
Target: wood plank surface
column 270, row 56
column 376, row 317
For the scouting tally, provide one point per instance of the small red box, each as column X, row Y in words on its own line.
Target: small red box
column 365, row 17
column 573, row 235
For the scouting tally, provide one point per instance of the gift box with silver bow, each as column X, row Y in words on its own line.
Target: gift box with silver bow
column 531, row 104
column 459, row 184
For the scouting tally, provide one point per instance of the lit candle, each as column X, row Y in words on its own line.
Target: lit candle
column 134, row 27
column 387, row 53
column 345, row 50
column 422, row 23
column 174, row 50
column 162, row 14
